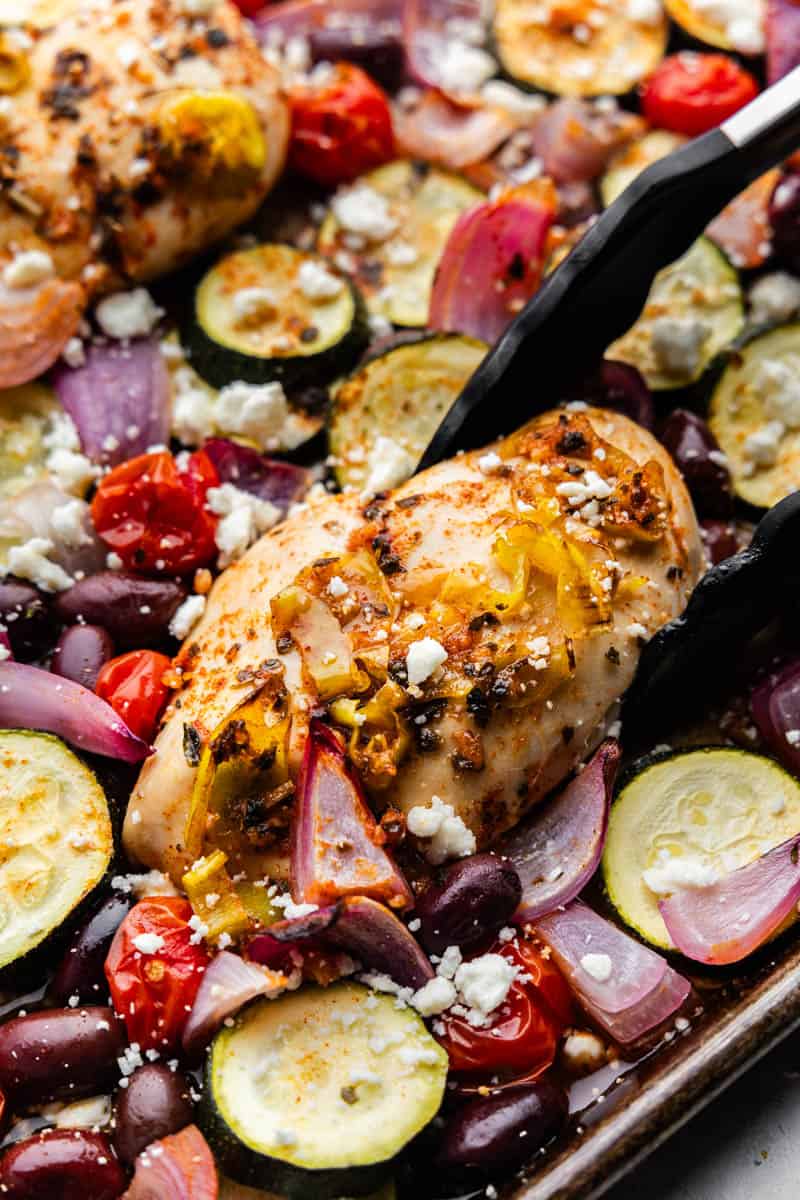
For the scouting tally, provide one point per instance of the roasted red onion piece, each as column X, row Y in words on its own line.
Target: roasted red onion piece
column 119, row 399
column 783, row 38
column 372, row 934
column 492, row 262
column 627, row 988
column 557, row 850
column 455, row 135
column 728, row 920
column 335, row 846
column 31, row 698
column 575, row 140
column 743, row 227
column 228, row 983
column 775, row 705
column 35, row 325
column 281, row 483
column 429, row 29
column 180, row 1166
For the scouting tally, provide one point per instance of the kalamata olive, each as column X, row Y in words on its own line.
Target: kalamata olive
column 784, row 215
column 80, row 972
column 378, row 49
column 470, row 902
column 59, row 1053
column 497, row 1135
column 701, row 462
column 136, row 612
column 719, row 539
column 155, row 1103
column 26, row 614
column 80, row 653
column 618, row 386
column 62, row 1164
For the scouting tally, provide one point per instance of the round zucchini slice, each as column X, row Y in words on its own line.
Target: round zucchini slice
column 24, row 416
column 402, row 396
column 755, row 416
column 56, row 838
column 629, row 163
column 701, row 23
column 559, row 49
column 395, row 276
column 315, row 1093
column 686, row 819
column 695, row 310
column 274, row 313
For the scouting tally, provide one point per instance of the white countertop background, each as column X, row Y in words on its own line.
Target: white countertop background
column 745, row 1146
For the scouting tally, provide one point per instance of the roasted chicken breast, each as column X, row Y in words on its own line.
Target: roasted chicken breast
column 471, row 632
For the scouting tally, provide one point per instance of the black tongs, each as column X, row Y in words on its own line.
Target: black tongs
column 600, row 289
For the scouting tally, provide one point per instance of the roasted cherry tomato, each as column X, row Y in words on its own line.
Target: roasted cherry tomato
column 133, row 684
column 154, row 969
column 522, row 1039
column 249, row 8
column 154, row 515
column 691, row 93
column 341, row 126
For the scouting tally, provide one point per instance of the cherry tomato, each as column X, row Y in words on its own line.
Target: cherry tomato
column 154, row 970
column 523, row 1038
column 692, row 93
column 249, row 8
column 133, row 684
column 341, row 127
column 153, row 515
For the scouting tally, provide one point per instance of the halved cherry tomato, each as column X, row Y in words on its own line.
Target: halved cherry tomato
column 341, row 127
column 154, row 970
column 522, row 1039
column 133, row 684
column 154, row 515
column 691, row 93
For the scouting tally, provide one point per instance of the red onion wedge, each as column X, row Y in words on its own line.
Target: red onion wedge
column 180, row 1167
column 430, row 28
column 728, row 920
column 373, row 934
column 492, row 262
column 282, row 483
column 775, row 707
column 455, row 135
column 335, row 846
column 575, row 140
column 119, row 399
column 557, row 850
column 228, row 983
column 35, row 325
column 783, row 38
column 31, row 698
column 627, row 988
column 743, row 227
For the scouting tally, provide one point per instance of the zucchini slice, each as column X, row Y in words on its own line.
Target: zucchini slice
column 24, row 417
column 688, row 818
column 256, row 318
column 396, row 275
column 755, row 416
column 694, row 311
column 56, row 838
column 313, row 1095
column 701, row 23
column 554, row 47
column 629, row 163
column 400, row 395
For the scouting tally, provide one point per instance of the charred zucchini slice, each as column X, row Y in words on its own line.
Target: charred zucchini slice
column 694, row 311
column 685, row 820
column 55, row 831
column 556, row 48
column 743, row 33
column 394, row 404
column 395, row 274
column 627, row 164
column 755, row 416
column 314, row 1094
column 274, row 313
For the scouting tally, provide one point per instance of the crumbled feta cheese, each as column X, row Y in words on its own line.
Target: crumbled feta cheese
column 677, row 344
column 258, row 412
column 761, row 448
column 598, row 966
column 483, row 984
column 449, row 962
column 292, row 911
column 449, row 836
column 67, row 524
column 317, row 282
column 113, row 561
column 742, row 22
column 434, row 997
column 253, row 303
column 416, row 621
column 389, row 465
column 129, row 52
column 244, row 518
column 149, row 943
column 194, row 411
column 187, row 616
column 72, row 471
column 423, row 658
column 149, row 883
column 128, row 314
column 778, row 383
column 73, row 353
column 671, row 872
column 793, row 737
column 775, row 298
column 490, row 464
column 29, row 561
column 28, row 268
column 463, row 68
column 337, row 587
column 401, row 254
column 363, row 211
